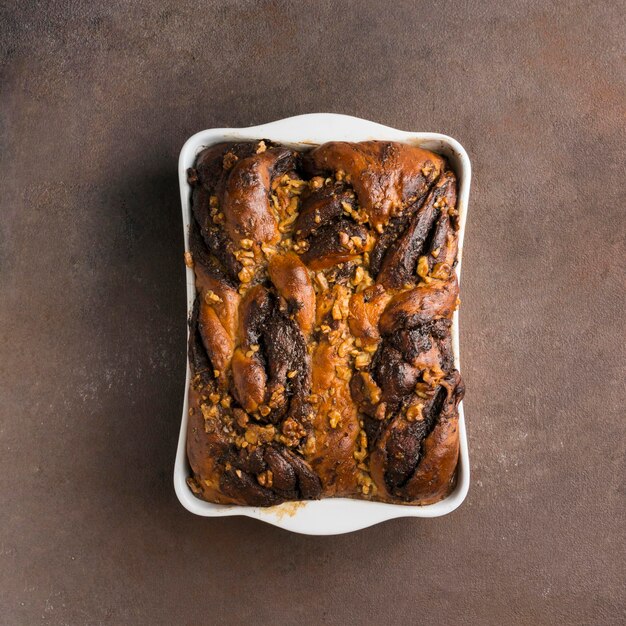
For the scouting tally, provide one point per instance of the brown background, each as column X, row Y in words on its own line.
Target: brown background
column 96, row 102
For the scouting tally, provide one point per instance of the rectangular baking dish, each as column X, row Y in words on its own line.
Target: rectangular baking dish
column 329, row 516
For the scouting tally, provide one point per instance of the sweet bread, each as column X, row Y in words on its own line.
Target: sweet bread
column 319, row 342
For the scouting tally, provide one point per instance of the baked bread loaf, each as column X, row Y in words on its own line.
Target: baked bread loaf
column 319, row 343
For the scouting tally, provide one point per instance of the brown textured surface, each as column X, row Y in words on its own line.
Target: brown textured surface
column 96, row 100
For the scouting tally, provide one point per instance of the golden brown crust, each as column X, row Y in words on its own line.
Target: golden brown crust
column 424, row 302
column 385, row 175
column 320, row 343
column 293, row 283
column 366, row 307
column 246, row 200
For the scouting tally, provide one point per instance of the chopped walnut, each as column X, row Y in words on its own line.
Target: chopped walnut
column 334, row 417
column 336, row 311
column 245, row 275
column 320, row 279
column 414, row 412
column 211, row 297
column 362, row 360
column 422, row 267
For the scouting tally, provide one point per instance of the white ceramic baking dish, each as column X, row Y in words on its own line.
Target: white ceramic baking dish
column 329, row 516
